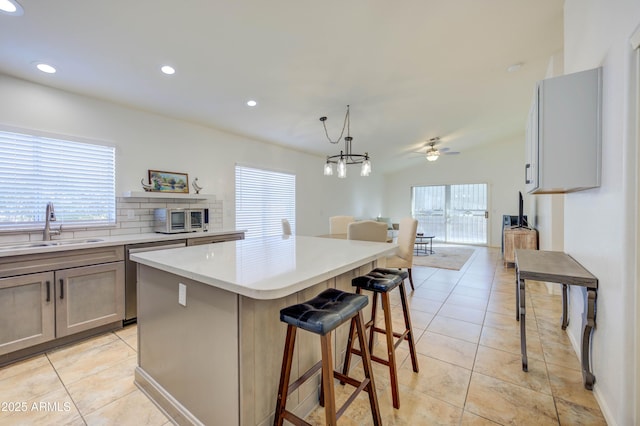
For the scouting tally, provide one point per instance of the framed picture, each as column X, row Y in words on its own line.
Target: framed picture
column 169, row 181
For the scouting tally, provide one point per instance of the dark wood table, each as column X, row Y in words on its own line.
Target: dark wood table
column 558, row 267
column 424, row 244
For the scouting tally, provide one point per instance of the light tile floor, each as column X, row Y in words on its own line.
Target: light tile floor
column 468, row 346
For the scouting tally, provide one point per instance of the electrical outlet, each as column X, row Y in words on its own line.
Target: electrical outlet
column 182, row 294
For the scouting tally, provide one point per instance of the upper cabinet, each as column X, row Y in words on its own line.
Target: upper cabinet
column 564, row 132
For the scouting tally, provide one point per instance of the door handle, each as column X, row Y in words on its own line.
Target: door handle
column 61, row 288
column 526, row 174
column 486, row 214
column 48, row 291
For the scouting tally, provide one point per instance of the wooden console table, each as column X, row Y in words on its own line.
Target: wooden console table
column 558, row 267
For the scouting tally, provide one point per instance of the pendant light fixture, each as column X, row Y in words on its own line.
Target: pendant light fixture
column 346, row 157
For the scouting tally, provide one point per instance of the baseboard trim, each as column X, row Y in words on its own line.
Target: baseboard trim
column 176, row 412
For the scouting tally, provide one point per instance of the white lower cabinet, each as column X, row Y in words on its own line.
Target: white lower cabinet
column 39, row 307
column 27, row 311
column 89, row 297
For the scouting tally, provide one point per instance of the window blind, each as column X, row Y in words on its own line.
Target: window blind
column 263, row 199
column 78, row 178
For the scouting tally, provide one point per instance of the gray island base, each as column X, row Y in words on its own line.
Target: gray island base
column 216, row 358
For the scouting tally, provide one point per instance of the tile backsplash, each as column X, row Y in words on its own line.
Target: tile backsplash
column 134, row 215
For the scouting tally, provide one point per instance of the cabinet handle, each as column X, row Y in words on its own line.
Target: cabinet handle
column 48, row 291
column 526, row 174
column 61, row 289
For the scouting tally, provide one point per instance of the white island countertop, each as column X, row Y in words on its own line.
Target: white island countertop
column 266, row 268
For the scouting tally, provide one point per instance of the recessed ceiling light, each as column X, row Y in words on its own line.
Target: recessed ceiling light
column 514, row 67
column 252, row 103
column 11, row 7
column 168, row 69
column 46, row 68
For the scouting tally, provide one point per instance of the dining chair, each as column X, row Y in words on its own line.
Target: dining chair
column 339, row 224
column 367, row 230
column 386, row 220
column 286, row 227
column 403, row 258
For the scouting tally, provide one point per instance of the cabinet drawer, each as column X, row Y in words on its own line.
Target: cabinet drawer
column 42, row 262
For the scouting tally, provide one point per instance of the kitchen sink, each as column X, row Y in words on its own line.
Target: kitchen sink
column 65, row 242
column 48, row 243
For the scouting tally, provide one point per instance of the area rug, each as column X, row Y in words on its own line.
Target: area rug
column 445, row 258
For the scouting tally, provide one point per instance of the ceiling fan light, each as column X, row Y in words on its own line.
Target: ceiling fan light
column 432, row 155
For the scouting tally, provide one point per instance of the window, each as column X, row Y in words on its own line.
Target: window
column 78, row 178
column 263, row 199
column 452, row 213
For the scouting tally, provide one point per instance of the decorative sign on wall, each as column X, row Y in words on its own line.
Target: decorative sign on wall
column 160, row 181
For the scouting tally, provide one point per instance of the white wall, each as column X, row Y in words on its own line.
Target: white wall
column 500, row 165
column 549, row 221
column 147, row 141
column 600, row 223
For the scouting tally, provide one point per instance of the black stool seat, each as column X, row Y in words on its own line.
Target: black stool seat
column 324, row 312
column 377, row 281
column 402, row 273
column 321, row 315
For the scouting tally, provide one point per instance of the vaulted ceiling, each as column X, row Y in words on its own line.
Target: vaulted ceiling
column 410, row 70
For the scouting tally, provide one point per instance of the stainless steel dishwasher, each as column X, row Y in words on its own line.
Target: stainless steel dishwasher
column 131, row 274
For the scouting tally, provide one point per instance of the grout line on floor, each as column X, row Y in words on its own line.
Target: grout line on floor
column 65, row 388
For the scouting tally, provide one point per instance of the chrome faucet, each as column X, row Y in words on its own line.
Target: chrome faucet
column 50, row 217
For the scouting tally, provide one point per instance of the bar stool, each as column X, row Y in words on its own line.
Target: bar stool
column 321, row 315
column 381, row 281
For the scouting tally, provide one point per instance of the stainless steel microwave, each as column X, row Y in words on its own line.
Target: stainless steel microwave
column 172, row 221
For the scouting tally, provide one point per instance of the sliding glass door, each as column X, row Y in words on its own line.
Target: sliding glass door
column 428, row 206
column 452, row 213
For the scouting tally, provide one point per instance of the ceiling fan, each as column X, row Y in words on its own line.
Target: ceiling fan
column 433, row 153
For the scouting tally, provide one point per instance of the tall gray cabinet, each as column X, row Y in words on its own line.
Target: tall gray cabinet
column 564, row 132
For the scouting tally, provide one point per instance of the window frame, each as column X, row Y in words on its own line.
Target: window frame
column 35, row 204
column 271, row 224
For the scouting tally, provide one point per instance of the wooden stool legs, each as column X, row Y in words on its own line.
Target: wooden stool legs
column 390, row 336
column 409, row 328
column 285, row 373
column 327, row 393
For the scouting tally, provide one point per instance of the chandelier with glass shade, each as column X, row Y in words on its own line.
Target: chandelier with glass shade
column 346, row 156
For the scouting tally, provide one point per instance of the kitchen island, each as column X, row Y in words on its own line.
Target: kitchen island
column 210, row 340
